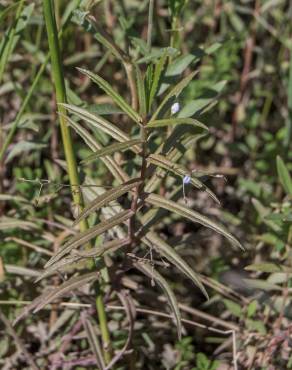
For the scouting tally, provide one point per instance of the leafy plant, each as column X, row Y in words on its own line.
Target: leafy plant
column 153, row 162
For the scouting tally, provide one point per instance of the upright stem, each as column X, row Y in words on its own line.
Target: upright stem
column 58, row 77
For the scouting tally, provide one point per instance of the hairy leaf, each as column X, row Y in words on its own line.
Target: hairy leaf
column 194, row 216
column 77, row 255
column 156, row 79
column 168, row 252
column 85, row 236
column 148, row 270
column 106, row 198
column 117, row 98
column 111, row 149
column 93, row 341
column 162, row 162
column 111, row 164
column 98, row 122
column 176, row 121
column 141, row 91
column 69, row 285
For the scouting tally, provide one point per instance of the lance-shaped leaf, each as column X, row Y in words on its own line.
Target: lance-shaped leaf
column 93, row 341
column 162, row 162
column 106, row 198
column 284, row 176
column 149, row 271
column 77, row 255
column 168, row 252
column 69, row 285
column 98, row 122
column 156, row 79
column 116, row 147
column 111, row 164
column 174, row 92
column 158, row 201
column 85, row 236
column 176, row 121
column 106, row 87
column 141, row 91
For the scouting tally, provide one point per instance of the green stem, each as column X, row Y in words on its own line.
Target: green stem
column 59, row 82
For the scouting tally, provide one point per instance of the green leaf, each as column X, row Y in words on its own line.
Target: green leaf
column 261, row 284
column 252, row 308
column 103, row 109
column 162, row 162
column 197, row 106
column 69, row 285
column 141, row 92
column 193, row 216
column 98, row 122
column 110, row 149
column 106, row 198
column 110, row 163
column 85, row 236
column 22, row 147
column 175, row 122
column 174, row 92
column 168, row 252
column 148, row 270
column 106, row 87
column 156, row 79
column 233, row 307
column 268, row 267
column 256, row 325
column 284, row 176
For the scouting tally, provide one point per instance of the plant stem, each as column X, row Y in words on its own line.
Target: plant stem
column 58, row 77
column 150, row 24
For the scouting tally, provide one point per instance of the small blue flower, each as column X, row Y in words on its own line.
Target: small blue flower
column 187, row 179
column 175, row 108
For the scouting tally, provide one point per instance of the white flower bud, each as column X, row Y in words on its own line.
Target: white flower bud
column 175, row 108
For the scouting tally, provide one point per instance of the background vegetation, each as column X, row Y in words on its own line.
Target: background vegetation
column 242, row 92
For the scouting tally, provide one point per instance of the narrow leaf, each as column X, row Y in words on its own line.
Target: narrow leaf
column 176, row 121
column 156, row 79
column 69, row 285
column 77, row 255
column 106, row 198
column 94, row 343
column 284, row 176
column 85, row 236
column 141, row 91
column 175, row 91
column 168, row 252
column 110, row 163
column 98, row 122
column 106, row 87
column 111, row 149
column 147, row 269
column 268, row 267
column 193, row 216
column 162, row 162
